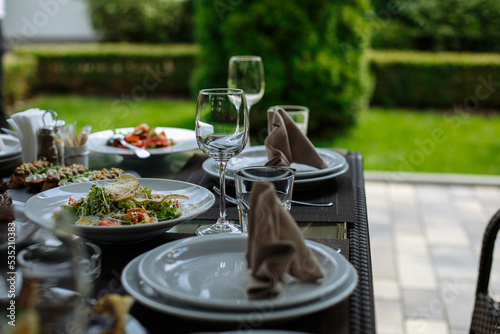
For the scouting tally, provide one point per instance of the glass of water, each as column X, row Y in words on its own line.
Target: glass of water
column 281, row 177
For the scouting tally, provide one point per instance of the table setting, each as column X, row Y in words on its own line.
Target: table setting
column 267, row 237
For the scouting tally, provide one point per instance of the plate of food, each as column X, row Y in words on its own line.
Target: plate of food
column 158, row 141
column 126, row 209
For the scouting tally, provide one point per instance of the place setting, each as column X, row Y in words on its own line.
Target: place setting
column 262, row 264
column 270, row 270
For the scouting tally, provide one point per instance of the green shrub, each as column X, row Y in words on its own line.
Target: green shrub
column 132, row 71
column 435, row 25
column 313, row 55
column 436, row 80
column 152, row 21
column 19, row 77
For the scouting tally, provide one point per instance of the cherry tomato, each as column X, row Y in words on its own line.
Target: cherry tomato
column 107, row 222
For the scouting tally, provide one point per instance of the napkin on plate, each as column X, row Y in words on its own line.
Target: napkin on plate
column 275, row 246
column 26, row 125
column 286, row 144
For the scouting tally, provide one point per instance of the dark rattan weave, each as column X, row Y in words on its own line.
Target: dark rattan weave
column 361, row 301
column 486, row 314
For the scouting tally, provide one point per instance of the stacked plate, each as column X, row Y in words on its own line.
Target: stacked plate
column 306, row 177
column 205, row 278
column 11, row 153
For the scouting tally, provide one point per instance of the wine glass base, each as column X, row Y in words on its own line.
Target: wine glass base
column 218, row 228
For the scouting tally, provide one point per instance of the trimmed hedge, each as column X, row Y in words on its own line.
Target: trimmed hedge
column 132, row 70
column 403, row 79
column 19, row 78
column 436, row 80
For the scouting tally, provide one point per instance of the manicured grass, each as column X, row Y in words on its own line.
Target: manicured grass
column 390, row 140
column 104, row 113
column 425, row 141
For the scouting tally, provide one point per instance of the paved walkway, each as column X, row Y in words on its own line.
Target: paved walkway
column 426, row 233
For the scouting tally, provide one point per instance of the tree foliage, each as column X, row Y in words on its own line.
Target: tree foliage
column 313, row 54
column 152, row 21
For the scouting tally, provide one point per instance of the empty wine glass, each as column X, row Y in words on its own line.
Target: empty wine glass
column 247, row 73
column 221, row 132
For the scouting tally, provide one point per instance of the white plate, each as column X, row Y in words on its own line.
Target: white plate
column 185, row 141
column 12, row 146
column 257, row 156
column 210, row 167
column 41, row 207
column 211, row 272
column 134, row 285
column 24, row 227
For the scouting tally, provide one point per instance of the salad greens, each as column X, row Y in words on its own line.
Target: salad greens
column 98, row 203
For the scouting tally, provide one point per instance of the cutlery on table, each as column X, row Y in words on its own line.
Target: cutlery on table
column 234, row 201
column 140, row 152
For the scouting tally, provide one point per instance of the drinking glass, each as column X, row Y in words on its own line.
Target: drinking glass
column 281, row 177
column 299, row 114
column 247, row 73
column 221, row 132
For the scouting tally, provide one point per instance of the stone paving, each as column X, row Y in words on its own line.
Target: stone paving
column 426, row 234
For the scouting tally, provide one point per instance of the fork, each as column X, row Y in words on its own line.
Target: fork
column 235, row 201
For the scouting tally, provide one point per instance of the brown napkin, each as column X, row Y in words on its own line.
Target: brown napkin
column 275, row 246
column 286, row 143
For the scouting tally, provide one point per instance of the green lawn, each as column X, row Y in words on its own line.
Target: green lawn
column 390, row 140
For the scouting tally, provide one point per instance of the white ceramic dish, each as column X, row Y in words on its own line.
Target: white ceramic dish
column 41, row 207
column 210, row 272
column 24, row 227
column 210, row 167
column 146, row 296
column 185, row 141
column 12, row 147
column 257, row 156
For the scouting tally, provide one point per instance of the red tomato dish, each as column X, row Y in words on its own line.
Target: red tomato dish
column 146, row 137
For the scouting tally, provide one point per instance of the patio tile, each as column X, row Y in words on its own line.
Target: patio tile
column 459, row 303
column 454, row 262
column 411, row 244
column 420, row 326
column 416, row 272
column 386, row 289
column 389, row 317
column 423, row 304
column 455, row 236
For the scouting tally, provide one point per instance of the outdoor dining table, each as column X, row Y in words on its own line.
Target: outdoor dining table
column 343, row 225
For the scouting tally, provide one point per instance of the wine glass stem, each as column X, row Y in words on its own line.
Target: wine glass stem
column 222, row 186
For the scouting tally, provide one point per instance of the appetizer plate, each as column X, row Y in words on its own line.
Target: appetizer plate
column 212, row 273
column 12, row 147
column 41, row 208
column 185, row 141
column 145, row 295
column 257, row 156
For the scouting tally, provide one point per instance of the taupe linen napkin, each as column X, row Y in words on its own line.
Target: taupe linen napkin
column 275, row 246
column 286, row 143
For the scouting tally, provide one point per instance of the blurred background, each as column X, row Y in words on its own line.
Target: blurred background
column 412, row 85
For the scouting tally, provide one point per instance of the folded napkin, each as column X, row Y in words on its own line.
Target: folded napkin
column 26, row 125
column 286, row 143
column 275, row 246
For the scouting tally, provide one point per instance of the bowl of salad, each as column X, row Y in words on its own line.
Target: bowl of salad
column 127, row 209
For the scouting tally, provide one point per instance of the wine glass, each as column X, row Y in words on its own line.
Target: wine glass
column 247, row 73
column 221, row 132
